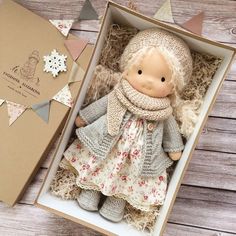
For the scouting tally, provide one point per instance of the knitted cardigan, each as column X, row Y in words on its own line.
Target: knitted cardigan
column 164, row 137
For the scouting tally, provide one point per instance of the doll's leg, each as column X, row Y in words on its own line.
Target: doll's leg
column 113, row 209
column 89, row 199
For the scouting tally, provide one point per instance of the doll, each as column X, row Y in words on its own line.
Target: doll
column 128, row 138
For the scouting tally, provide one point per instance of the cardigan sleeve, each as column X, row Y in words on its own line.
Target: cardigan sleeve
column 95, row 110
column 172, row 139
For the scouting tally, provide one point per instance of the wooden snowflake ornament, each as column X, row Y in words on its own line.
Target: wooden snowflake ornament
column 55, row 63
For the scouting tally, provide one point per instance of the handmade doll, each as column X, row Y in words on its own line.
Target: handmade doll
column 128, row 138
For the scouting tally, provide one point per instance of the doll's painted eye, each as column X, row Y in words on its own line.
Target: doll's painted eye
column 163, row 79
column 140, row 72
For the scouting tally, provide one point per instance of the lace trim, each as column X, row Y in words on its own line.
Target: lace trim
column 133, row 203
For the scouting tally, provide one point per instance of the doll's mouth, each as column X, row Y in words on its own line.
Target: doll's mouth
column 147, row 86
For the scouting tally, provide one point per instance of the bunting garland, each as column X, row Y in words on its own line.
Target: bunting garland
column 63, row 96
column 194, row 25
column 15, row 110
column 42, row 109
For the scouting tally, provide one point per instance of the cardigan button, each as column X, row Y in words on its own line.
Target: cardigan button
column 150, row 126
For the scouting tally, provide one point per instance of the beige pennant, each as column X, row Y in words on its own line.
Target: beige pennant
column 76, row 74
column 195, row 24
column 165, row 12
column 63, row 26
column 14, row 111
column 1, row 101
column 64, row 96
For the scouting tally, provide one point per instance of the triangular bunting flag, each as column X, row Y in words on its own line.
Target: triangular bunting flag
column 63, row 26
column 195, row 24
column 75, row 47
column 42, row 109
column 64, row 96
column 87, row 12
column 76, row 74
column 14, row 111
column 1, row 101
column 165, row 12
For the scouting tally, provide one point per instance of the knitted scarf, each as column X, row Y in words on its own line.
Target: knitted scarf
column 124, row 97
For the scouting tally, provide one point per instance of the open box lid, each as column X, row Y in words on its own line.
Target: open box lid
column 24, row 40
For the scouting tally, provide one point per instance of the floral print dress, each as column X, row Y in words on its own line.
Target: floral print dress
column 119, row 174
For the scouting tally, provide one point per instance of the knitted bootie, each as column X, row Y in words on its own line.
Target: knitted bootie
column 113, row 209
column 89, row 199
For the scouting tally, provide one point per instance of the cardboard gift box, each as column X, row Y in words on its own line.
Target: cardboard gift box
column 24, row 41
column 69, row 209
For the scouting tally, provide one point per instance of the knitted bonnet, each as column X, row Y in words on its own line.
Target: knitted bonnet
column 173, row 48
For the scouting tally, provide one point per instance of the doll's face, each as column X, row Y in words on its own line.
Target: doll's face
column 151, row 76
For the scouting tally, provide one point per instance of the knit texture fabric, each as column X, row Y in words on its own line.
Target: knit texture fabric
column 124, row 97
column 89, row 199
column 113, row 209
column 175, row 50
column 96, row 138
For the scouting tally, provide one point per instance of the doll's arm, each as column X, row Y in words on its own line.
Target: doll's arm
column 92, row 112
column 79, row 122
column 175, row 156
column 172, row 140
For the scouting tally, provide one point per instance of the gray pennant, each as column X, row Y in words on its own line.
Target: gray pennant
column 42, row 109
column 87, row 12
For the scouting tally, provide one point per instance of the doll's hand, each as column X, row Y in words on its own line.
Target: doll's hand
column 79, row 122
column 175, row 156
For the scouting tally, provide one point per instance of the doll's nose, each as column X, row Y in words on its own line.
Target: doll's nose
column 148, row 84
column 149, row 80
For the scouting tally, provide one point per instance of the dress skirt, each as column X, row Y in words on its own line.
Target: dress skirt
column 119, row 173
